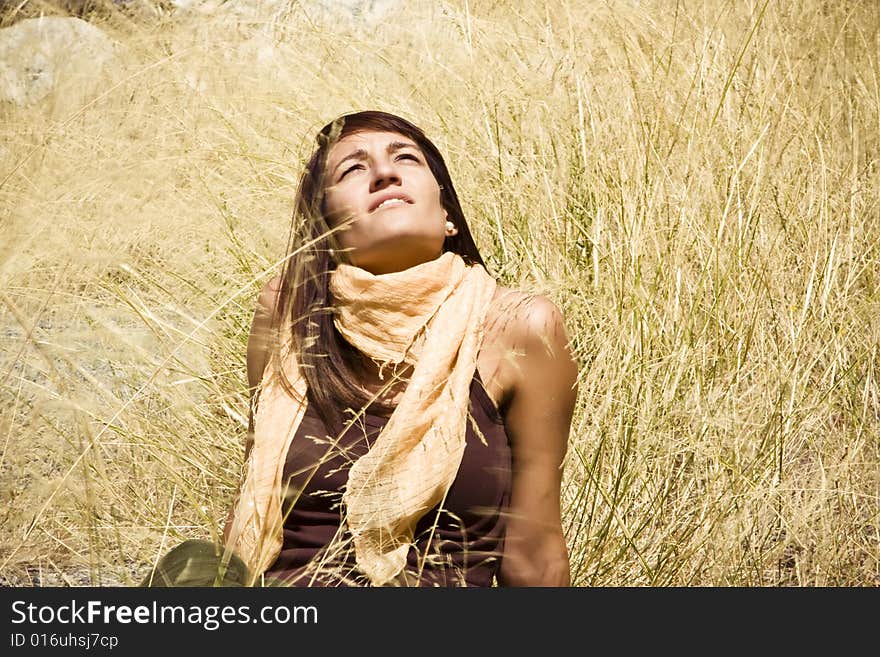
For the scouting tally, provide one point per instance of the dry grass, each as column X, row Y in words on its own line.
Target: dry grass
column 694, row 182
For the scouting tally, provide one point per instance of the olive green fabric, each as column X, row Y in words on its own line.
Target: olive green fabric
column 198, row 563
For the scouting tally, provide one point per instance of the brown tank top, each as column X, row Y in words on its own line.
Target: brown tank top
column 458, row 543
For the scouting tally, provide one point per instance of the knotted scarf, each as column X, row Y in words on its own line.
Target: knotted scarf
column 430, row 316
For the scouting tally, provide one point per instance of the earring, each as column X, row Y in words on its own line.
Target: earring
column 449, row 225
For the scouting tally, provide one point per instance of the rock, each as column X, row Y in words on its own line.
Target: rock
column 357, row 11
column 41, row 55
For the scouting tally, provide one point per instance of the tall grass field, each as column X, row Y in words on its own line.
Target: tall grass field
column 694, row 183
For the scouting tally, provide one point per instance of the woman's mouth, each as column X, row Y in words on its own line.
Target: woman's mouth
column 390, row 203
column 388, row 199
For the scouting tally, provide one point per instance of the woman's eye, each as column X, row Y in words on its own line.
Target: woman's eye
column 352, row 168
column 409, row 155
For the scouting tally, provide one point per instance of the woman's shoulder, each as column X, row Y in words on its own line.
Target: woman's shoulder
column 269, row 293
column 261, row 337
column 518, row 323
column 516, row 314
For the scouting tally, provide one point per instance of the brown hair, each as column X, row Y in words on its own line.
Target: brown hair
column 328, row 362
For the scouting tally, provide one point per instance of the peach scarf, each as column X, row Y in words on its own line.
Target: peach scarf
column 437, row 308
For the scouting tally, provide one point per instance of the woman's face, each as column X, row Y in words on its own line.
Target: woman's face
column 382, row 183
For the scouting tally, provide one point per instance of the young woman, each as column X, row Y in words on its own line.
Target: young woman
column 409, row 416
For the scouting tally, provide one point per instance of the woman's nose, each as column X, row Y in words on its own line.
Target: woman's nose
column 384, row 174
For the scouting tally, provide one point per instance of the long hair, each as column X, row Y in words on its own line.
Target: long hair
column 328, row 362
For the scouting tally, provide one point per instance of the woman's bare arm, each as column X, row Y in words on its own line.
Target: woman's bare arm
column 537, row 417
column 257, row 354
